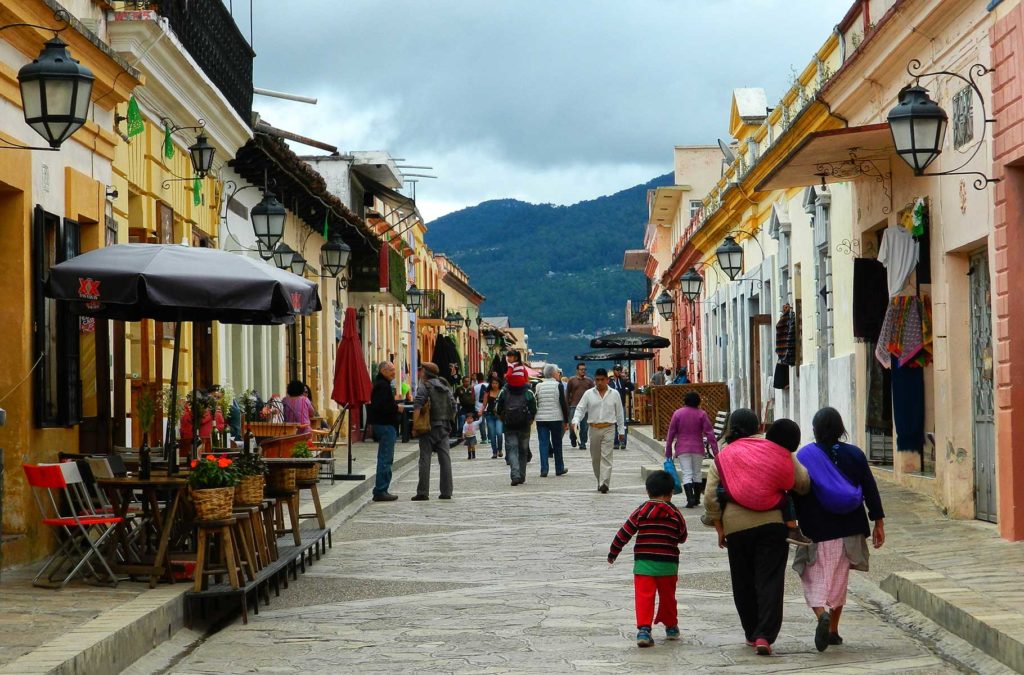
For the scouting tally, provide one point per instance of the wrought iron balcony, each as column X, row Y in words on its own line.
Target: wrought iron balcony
column 209, row 33
column 433, row 305
column 642, row 313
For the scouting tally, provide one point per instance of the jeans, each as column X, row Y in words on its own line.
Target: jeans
column 550, row 435
column 495, row 430
column 517, row 449
column 386, row 436
column 435, row 441
column 583, row 428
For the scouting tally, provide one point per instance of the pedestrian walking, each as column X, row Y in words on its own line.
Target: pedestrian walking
column 478, row 396
column 621, row 383
column 755, row 539
column 604, row 408
column 833, row 515
column 495, row 429
column 578, row 385
column 517, row 408
column 658, row 379
column 687, row 432
column 383, row 416
column 659, row 528
column 432, row 387
column 470, row 429
column 552, row 420
column 466, row 398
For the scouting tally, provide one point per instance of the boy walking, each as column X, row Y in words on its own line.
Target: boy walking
column 659, row 528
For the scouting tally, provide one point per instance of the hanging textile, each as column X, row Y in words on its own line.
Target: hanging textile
column 906, row 333
column 870, row 298
column 899, row 253
column 781, row 377
column 197, row 191
column 878, row 416
column 785, row 337
column 168, row 143
column 135, row 123
column 908, row 406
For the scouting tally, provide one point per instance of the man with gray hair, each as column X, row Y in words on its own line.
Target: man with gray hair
column 434, row 388
column 382, row 414
column 552, row 419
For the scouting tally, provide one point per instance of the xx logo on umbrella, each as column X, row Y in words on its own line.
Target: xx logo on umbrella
column 89, row 289
column 296, row 301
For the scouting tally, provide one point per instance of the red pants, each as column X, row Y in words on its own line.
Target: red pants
column 644, row 589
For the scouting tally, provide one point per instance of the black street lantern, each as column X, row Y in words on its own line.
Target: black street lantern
column 268, row 221
column 55, row 93
column 265, row 253
column 201, row 153
column 491, row 338
column 453, row 320
column 730, row 257
column 298, row 264
column 415, row 298
column 666, row 305
column 334, row 256
column 690, row 284
column 918, row 127
column 283, row 255
column 479, row 321
column 361, row 315
column 468, row 321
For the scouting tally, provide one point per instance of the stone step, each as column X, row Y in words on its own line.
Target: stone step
column 963, row 612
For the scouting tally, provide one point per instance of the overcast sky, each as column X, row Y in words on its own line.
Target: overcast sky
column 542, row 100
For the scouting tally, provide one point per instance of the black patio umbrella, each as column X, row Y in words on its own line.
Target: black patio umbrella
column 168, row 282
column 630, row 340
column 614, row 355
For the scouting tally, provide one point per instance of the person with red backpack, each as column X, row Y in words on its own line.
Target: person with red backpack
column 517, row 408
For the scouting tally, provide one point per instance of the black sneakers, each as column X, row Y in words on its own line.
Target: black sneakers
column 385, row 497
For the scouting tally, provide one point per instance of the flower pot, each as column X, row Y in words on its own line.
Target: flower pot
column 281, row 480
column 308, row 473
column 249, row 491
column 213, row 503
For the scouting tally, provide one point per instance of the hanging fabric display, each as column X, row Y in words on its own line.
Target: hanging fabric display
column 168, row 143
column 906, row 333
column 870, row 294
column 908, row 406
column 785, row 337
column 899, row 253
column 135, row 123
column 197, row 191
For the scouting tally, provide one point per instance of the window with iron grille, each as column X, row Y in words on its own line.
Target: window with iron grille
column 57, row 395
column 963, row 117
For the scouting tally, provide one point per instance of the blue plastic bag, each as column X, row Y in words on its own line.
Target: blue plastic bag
column 670, row 467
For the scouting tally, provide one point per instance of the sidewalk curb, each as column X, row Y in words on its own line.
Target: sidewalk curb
column 1000, row 634
column 117, row 638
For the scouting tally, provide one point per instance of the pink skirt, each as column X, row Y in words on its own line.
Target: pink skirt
column 825, row 581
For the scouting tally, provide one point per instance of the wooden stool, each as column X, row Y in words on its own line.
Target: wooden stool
column 227, row 553
column 259, row 535
column 246, row 540
column 318, row 512
column 267, row 513
column 291, row 499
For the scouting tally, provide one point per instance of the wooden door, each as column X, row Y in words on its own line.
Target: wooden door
column 757, row 376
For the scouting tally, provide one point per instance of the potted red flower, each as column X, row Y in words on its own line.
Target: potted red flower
column 212, row 482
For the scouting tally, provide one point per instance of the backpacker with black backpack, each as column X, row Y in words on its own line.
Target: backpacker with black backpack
column 516, row 411
column 442, row 409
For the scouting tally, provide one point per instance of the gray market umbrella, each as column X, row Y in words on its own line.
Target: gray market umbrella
column 168, row 282
column 614, row 355
column 630, row 340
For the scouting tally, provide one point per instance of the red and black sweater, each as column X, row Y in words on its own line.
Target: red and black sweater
column 659, row 528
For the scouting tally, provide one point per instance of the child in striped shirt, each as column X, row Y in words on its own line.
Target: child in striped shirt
column 659, row 528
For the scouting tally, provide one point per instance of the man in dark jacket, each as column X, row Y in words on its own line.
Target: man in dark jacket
column 517, row 408
column 382, row 414
column 434, row 388
column 620, row 382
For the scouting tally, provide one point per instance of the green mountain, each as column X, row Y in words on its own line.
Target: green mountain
column 557, row 270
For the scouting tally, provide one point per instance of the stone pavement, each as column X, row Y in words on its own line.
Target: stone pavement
column 95, row 629
column 514, row 580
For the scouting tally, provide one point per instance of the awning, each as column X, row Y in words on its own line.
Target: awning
column 665, row 202
column 835, row 153
column 636, row 259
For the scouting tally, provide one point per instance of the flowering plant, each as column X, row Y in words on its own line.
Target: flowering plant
column 213, row 472
column 250, row 464
column 250, row 403
column 273, row 411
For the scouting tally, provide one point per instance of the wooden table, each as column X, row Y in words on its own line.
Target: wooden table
column 120, row 492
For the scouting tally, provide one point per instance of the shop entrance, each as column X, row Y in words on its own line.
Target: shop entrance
column 982, row 389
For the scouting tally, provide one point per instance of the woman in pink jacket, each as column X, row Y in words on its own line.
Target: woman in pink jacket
column 685, row 443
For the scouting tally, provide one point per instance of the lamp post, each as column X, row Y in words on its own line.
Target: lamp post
column 491, row 339
column 268, row 221
column 453, row 320
column 690, row 284
column 361, row 315
column 414, row 296
column 56, row 91
column 665, row 305
column 730, row 257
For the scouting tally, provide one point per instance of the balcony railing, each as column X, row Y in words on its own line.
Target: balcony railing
column 641, row 314
column 209, row 33
column 433, row 305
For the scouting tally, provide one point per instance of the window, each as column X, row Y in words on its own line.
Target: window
column 57, row 398
column 695, row 206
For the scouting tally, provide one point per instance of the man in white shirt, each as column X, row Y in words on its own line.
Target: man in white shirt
column 604, row 409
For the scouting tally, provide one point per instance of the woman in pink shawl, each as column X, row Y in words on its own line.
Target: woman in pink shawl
column 756, row 473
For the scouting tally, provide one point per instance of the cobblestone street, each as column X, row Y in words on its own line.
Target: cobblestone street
column 508, row 579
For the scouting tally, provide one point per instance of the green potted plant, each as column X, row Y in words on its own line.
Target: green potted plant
column 212, row 482
column 302, row 451
column 252, row 472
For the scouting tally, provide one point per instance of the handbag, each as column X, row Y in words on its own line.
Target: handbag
column 670, row 467
column 421, row 424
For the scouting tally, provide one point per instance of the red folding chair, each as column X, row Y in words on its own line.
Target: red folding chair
column 82, row 533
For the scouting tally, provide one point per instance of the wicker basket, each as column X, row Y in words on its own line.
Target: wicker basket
column 249, row 492
column 281, row 480
column 311, row 472
column 213, row 503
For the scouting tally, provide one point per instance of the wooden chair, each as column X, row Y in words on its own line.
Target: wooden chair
column 718, row 426
column 226, row 557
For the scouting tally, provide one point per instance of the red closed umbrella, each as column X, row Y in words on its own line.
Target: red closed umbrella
column 351, row 379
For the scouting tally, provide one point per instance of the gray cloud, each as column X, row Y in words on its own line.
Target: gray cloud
column 541, row 99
